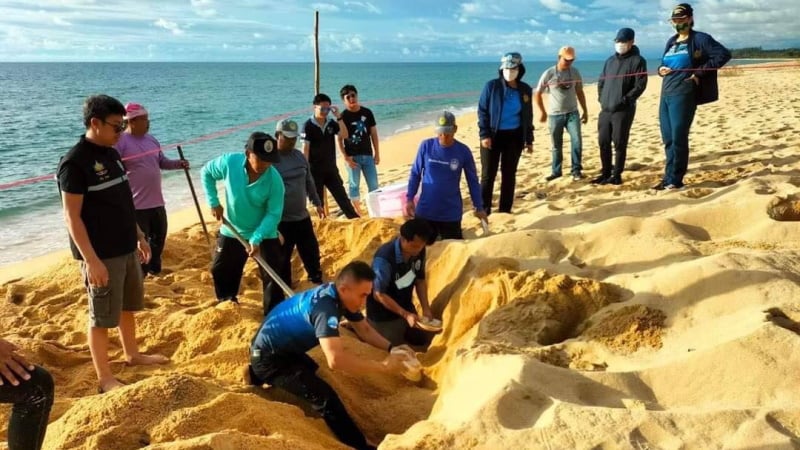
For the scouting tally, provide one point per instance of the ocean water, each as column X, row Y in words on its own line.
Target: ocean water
column 40, row 117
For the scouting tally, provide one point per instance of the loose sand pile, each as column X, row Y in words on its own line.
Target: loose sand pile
column 593, row 317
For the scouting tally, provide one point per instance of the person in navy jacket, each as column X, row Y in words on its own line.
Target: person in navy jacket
column 505, row 123
column 689, row 68
column 438, row 167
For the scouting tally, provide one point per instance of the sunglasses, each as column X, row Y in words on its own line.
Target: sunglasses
column 568, row 61
column 118, row 127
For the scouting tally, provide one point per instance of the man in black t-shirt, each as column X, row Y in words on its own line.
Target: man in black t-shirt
column 357, row 146
column 319, row 147
column 101, row 220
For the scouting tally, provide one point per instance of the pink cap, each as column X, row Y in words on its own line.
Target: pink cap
column 134, row 110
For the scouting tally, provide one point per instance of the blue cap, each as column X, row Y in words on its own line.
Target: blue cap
column 625, row 35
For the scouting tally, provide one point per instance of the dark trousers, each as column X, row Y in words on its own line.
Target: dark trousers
column 614, row 127
column 153, row 223
column 398, row 332
column 675, row 115
column 227, row 267
column 300, row 234
column 32, row 401
column 446, row 230
column 330, row 178
column 296, row 374
column 505, row 152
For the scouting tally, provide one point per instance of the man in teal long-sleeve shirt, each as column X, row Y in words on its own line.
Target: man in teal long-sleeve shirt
column 254, row 198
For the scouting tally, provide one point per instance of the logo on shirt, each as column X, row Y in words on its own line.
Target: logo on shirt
column 526, row 98
column 333, row 323
column 417, row 265
column 454, row 164
column 99, row 169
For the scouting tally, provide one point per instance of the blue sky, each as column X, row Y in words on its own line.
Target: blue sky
column 358, row 30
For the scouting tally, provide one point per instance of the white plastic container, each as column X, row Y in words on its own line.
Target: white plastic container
column 388, row 201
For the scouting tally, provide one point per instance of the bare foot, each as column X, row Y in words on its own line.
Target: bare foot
column 108, row 385
column 147, row 360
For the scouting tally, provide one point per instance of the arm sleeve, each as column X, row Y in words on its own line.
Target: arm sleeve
column 305, row 134
column 325, row 319
column 484, row 107
column 213, row 171
column 640, row 82
column 71, row 179
column 268, row 229
column 529, row 105
column 370, row 120
column 601, row 82
column 718, row 55
column 415, row 176
column 383, row 274
column 471, row 172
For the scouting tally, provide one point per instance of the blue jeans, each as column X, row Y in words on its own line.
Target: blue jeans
column 675, row 115
column 366, row 164
column 572, row 122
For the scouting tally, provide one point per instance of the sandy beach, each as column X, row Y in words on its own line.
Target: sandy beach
column 606, row 317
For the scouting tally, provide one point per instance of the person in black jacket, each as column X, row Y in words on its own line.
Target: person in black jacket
column 505, row 123
column 622, row 82
column 689, row 67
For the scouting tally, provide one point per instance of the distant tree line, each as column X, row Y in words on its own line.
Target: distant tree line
column 758, row 52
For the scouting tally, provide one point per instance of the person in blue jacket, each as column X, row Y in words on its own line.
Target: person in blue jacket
column 505, row 123
column 439, row 164
column 689, row 68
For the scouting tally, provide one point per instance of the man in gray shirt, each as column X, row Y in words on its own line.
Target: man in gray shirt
column 564, row 85
column 295, row 226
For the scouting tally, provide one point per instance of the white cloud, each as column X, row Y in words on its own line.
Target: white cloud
column 169, row 26
column 568, row 18
column 367, row 6
column 533, row 22
column 558, row 6
column 204, row 8
column 326, row 7
column 258, row 35
column 59, row 21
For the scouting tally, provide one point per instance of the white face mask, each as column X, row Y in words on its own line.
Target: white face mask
column 622, row 47
column 510, row 74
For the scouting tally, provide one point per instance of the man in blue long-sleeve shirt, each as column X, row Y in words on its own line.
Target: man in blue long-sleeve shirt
column 438, row 166
column 254, row 194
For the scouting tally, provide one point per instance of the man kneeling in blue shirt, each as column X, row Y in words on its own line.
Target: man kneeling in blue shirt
column 438, row 166
column 400, row 270
column 278, row 351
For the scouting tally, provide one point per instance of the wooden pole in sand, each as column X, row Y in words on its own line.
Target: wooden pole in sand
column 324, row 198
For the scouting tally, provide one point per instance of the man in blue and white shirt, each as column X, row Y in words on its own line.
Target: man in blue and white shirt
column 278, row 351
column 438, row 167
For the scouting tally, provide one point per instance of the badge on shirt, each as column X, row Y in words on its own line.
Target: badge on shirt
column 453, row 165
column 333, row 323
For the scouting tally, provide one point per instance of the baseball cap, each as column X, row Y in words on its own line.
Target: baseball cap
column 567, row 52
column 264, row 146
column 682, row 10
column 510, row 60
column 625, row 35
column 287, row 128
column 446, row 123
column 134, row 110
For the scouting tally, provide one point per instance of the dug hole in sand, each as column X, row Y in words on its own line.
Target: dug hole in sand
column 592, row 318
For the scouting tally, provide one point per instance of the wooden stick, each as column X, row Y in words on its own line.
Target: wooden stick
column 194, row 196
column 286, row 289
